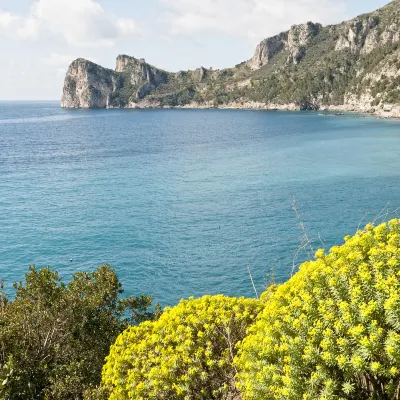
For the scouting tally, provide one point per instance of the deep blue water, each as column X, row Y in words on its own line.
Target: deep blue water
column 181, row 202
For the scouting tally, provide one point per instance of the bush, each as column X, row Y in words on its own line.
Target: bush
column 333, row 330
column 54, row 336
column 186, row 354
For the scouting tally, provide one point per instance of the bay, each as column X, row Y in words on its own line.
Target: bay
column 182, row 202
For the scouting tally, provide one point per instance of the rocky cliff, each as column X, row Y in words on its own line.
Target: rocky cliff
column 294, row 41
column 88, row 85
column 140, row 74
column 354, row 65
column 267, row 50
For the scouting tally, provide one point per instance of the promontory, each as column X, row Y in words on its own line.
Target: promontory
column 352, row 66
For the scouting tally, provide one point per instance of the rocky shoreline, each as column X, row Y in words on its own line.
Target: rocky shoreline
column 390, row 112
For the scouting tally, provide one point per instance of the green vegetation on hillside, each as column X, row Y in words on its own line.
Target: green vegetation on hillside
column 125, row 91
column 337, row 62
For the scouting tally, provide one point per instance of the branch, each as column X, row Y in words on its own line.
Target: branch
column 252, row 281
column 305, row 241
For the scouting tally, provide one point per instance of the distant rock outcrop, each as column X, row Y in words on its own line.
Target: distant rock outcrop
column 294, row 41
column 139, row 71
column 356, row 34
column 353, row 66
column 267, row 49
column 364, row 34
column 87, row 85
column 141, row 75
column 298, row 38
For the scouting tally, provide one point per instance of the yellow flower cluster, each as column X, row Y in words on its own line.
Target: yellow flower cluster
column 187, row 354
column 332, row 331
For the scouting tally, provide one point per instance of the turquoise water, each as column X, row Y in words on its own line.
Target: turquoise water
column 181, row 202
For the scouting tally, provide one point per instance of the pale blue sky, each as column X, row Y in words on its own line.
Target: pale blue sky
column 39, row 38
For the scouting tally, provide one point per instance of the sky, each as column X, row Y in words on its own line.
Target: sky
column 40, row 38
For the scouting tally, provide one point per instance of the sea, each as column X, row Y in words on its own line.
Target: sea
column 186, row 203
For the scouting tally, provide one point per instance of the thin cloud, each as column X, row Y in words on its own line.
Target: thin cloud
column 58, row 60
column 255, row 19
column 18, row 27
column 78, row 22
column 61, row 60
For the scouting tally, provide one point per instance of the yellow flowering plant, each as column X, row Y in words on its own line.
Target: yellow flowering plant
column 186, row 354
column 332, row 331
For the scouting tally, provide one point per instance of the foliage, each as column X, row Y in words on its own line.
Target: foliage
column 54, row 336
column 125, row 91
column 333, row 330
column 186, row 354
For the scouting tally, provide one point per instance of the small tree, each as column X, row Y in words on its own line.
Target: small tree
column 54, row 336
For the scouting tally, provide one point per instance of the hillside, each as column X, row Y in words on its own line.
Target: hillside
column 352, row 66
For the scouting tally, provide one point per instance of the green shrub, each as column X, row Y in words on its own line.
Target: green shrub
column 333, row 330
column 186, row 354
column 54, row 336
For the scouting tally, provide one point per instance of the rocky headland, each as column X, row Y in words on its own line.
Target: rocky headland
column 353, row 66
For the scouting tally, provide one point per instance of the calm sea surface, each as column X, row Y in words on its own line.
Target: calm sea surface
column 181, row 202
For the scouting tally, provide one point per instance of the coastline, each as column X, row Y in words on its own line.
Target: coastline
column 385, row 112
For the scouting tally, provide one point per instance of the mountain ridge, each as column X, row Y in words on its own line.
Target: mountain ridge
column 352, row 66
